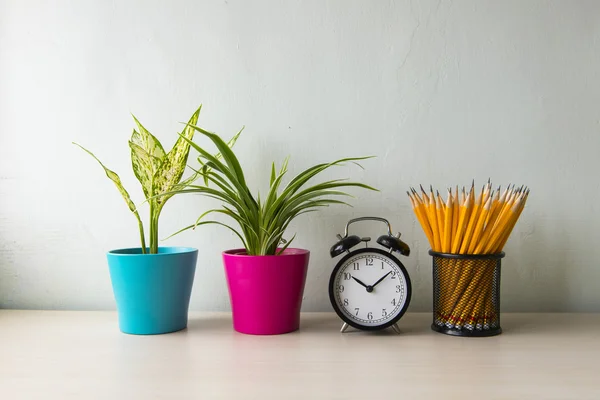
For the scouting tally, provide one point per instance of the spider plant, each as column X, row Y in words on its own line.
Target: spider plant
column 157, row 171
column 262, row 223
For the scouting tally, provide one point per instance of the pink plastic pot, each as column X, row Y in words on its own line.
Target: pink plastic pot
column 266, row 291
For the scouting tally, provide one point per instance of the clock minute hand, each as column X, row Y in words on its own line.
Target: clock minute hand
column 359, row 281
column 380, row 279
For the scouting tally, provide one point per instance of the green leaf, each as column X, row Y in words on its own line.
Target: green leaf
column 228, row 155
column 144, row 167
column 300, row 180
column 305, row 176
column 273, row 175
column 117, row 181
column 173, row 166
column 193, row 226
column 287, row 244
column 206, row 168
column 113, row 177
column 147, row 141
column 241, row 188
column 263, row 223
column 272, row 195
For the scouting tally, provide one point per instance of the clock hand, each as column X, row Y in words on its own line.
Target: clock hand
column 380, row 279
column 359, row 281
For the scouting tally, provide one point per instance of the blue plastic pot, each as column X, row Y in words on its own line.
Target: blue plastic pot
column 152, row 291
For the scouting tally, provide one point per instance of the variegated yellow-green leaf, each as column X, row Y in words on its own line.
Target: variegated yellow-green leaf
column 117, row 181
column 147, row 155
column 159, row 173
column 113, row 177
column 144, row 167
column 170, row 172
column 147, row 141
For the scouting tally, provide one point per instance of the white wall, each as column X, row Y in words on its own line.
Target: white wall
column 442, row 92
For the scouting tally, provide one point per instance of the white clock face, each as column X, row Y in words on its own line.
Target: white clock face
column 370, row 289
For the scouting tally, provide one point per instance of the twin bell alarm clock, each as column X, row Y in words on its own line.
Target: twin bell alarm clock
column 369, row 287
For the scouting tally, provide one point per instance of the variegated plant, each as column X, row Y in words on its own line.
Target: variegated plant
column 158, row 172
column 262, row 223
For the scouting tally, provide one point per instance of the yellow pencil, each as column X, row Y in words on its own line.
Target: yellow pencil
column 473, row 218
column 417, row 207
column 507, row 204
column 478, row 231
column 489, row 223
column 462, row 216
column 455, row 215
column 448, row 223
column 500, row 228
column 425, row 197
column 433, row 220
column 468, row 224
column 519, row 209
column 439, row 208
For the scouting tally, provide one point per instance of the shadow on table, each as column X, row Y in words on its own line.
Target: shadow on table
column 325, row 323
column 210, row 323
column 313, row 323
column 535, row 324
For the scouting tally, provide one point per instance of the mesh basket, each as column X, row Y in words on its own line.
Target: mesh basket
column 466, row 294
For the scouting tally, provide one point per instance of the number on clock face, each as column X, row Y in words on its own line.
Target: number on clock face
column 370, row 289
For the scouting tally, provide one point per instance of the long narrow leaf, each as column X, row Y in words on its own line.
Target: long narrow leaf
column 241, row 188
column 113, row 177
column 207, row 167
column 228, row 155
column 273, row 175
column 206, row 223
column 305, row 176
column 264, row 222
column 117, row 181
column 286, row 245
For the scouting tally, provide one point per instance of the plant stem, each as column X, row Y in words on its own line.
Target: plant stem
column 154, row 214
column 142, row 237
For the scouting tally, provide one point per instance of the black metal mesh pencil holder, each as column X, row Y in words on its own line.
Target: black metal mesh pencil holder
column 466, row 294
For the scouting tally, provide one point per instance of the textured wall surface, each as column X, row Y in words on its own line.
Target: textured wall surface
column 441, row 92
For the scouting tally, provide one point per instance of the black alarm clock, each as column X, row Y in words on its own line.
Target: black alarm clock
column 369, row 287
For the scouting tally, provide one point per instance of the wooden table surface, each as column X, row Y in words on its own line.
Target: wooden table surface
column 82, row 355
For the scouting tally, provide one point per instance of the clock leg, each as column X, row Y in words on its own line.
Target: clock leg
column 344, row 327
column 395, row 328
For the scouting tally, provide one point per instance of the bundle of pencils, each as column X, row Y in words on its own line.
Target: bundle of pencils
column 468, row 224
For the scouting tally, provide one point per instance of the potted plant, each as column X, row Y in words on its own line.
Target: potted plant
column 266, row 277
column 152, row 285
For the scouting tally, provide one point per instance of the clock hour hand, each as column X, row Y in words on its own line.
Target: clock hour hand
column 359, row 281
column 380, row 279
